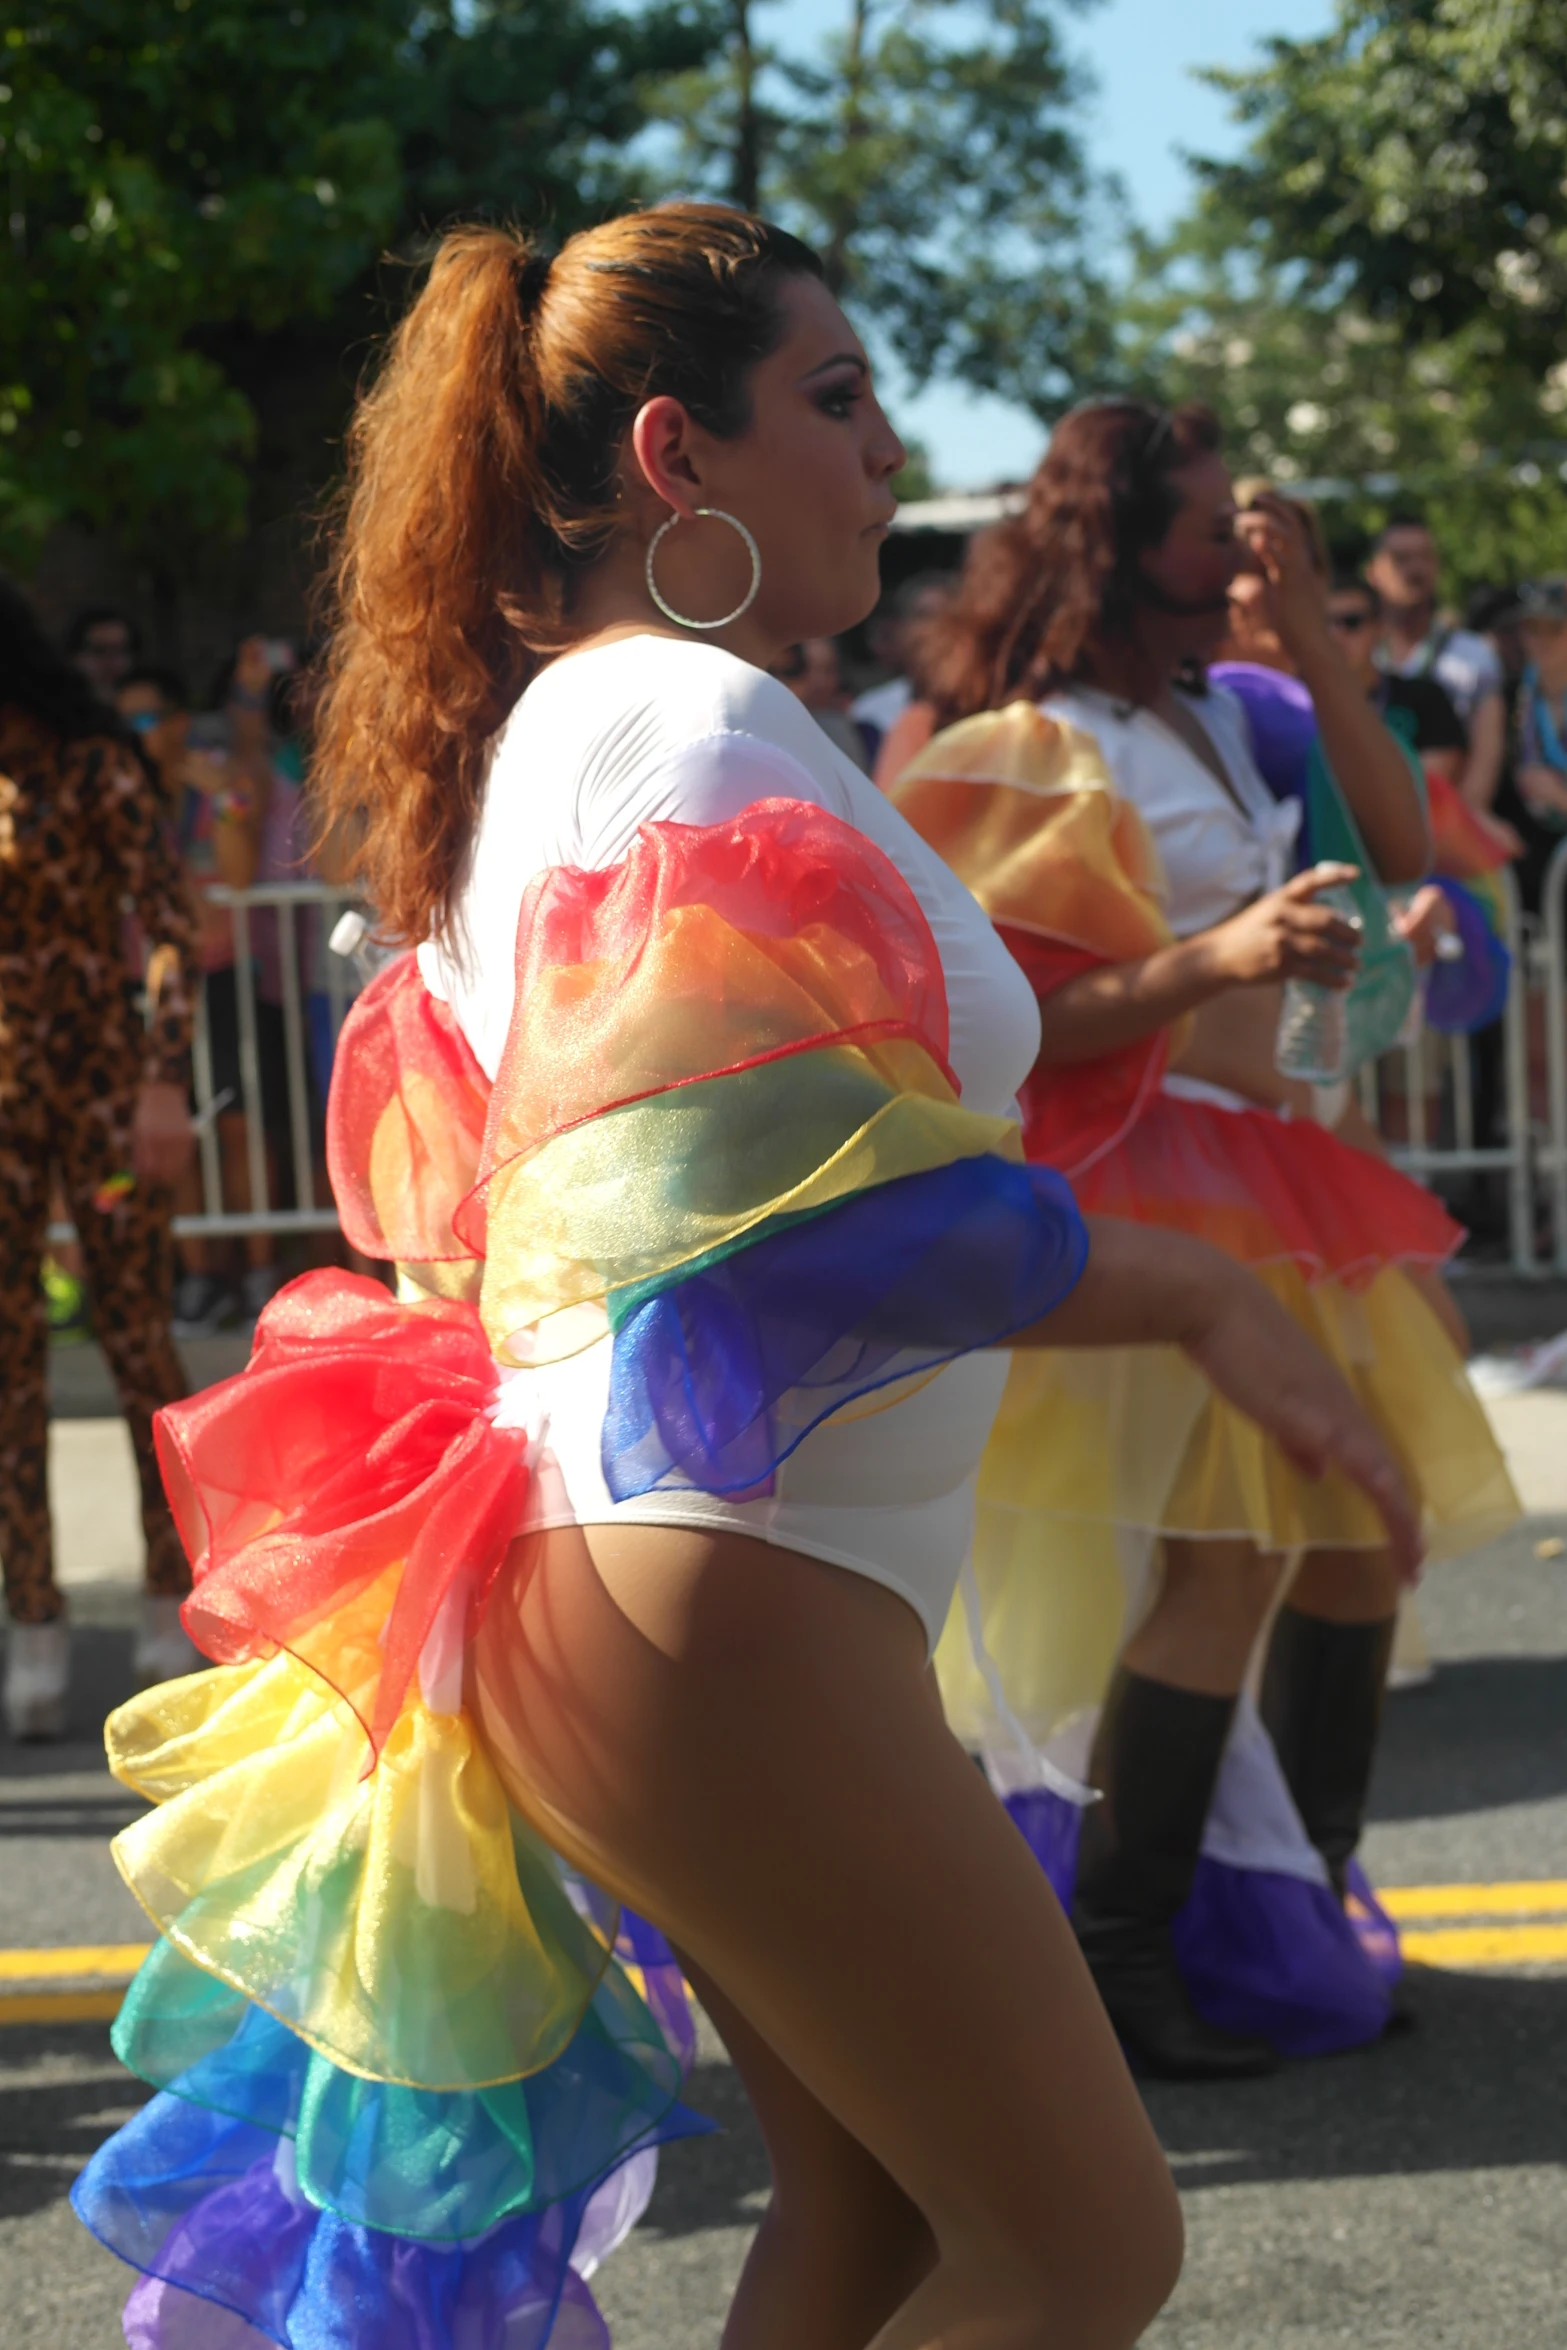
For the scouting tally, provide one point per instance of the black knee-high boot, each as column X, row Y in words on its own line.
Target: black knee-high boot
column 1156, row 1760
column 1322, row 1690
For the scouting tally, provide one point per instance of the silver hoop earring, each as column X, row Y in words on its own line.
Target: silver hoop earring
column 714, row 514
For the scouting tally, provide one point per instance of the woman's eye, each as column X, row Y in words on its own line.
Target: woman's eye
column 840, row 400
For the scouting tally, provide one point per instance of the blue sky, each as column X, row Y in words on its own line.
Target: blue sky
column 1146, row 110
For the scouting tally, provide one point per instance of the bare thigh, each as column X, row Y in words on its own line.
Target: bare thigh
column 1213, row 1598
column 739, row 1742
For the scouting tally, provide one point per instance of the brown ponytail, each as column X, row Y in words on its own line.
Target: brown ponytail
column 482, row 475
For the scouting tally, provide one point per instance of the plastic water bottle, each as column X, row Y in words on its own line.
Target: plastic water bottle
column 1313, row 1038
column 353, row 939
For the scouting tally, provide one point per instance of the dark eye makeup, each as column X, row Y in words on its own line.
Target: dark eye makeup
column 838, row 399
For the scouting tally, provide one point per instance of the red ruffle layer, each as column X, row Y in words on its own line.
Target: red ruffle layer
column 1267, row 1190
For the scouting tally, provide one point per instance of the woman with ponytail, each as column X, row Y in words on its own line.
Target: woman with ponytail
column 1134, row 1533
column 602, row 1568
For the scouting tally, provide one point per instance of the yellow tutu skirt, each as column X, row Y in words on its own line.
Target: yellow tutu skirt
column 1096, row 1454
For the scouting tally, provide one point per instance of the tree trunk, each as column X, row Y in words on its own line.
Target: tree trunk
column 746, row 172
column 835, row 257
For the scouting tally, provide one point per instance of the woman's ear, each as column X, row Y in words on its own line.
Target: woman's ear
column 661, row 453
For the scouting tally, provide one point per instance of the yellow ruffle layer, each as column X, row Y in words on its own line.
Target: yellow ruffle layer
column 1094, row 1450
column 404, row 1924
column 656, row 1184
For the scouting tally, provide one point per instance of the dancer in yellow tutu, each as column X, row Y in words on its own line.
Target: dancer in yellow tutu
column 1133, row 1528
column 602, row 1566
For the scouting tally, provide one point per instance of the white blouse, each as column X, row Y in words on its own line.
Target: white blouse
column 1220, row 848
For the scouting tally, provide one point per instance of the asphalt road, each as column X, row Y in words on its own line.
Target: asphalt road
column 1413, row 2196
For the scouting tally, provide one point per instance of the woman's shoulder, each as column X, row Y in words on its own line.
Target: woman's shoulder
column 37, row 757
column 649, row 728
column 652, row 693
column 1119, row 728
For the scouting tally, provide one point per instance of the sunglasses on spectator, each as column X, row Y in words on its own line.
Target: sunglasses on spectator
column 144, row 721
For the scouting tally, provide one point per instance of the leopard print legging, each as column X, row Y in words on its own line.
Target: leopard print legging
column 129, row 1262
column 82, row 840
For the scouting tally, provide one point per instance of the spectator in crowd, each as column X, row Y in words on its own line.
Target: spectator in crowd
column 155, row 705
column 1403, row 569
column 1431, row 724
column 813, row 673
column 217, row 803
column 1541, row 726
column 892, row 633
column 1497, row 613
column 104, row 645
column 92, row 1093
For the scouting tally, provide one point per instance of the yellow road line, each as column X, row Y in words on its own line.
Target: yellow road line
column 1544, row 1898
column 1425, row 1941
column 1472, row 1946
column 59, row 2007
column 120, row 1959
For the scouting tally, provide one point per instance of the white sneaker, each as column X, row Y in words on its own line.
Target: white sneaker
column 164, row 1649
column 37, row 1678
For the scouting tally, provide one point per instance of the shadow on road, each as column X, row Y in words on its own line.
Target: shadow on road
column 1488, row 1731
column 62, row 2092
column 1476, row 2085
column 712, row 2182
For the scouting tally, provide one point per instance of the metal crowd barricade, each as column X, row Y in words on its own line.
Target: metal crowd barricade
column 291, row 902
column 1422, row 1155
column 1539, row 961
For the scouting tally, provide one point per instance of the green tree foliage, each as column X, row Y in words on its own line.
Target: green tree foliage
column 1369, row 295
column 1313, row 391
column 930, row 150
column 199, row 192
column 1417, row 153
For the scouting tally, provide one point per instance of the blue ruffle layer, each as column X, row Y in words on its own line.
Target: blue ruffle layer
column 327, row 2211
column 719, row 1375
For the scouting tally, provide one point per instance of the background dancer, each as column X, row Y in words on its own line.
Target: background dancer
column 700, row 1087
column 1115, row 824
column 92, row 1095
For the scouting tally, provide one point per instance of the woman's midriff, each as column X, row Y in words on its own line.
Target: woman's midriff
column 1231, row 1041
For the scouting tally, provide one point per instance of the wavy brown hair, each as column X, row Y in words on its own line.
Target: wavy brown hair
column 1047, row 595
column 482, row 476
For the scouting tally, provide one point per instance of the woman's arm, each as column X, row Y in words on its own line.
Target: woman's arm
column 1284, row 935
column 249, row 779
column 236, row 844
column 139, row 843
column 1542, row 790
column 1482, row 770
column 1366, row 760
column 1145, row 1287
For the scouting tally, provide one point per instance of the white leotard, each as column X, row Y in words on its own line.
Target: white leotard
column 655, row 728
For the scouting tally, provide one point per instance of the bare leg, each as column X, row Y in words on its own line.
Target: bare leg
column 1201, row 1629
column 840, row 2247
column 740, row 1742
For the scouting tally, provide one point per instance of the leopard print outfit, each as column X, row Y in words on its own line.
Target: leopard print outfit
column 82, row 841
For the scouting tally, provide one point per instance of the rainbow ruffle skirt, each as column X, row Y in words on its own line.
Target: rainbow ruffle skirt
column 411, row 2069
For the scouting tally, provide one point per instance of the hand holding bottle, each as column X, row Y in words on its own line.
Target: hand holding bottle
column 1290, row 934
